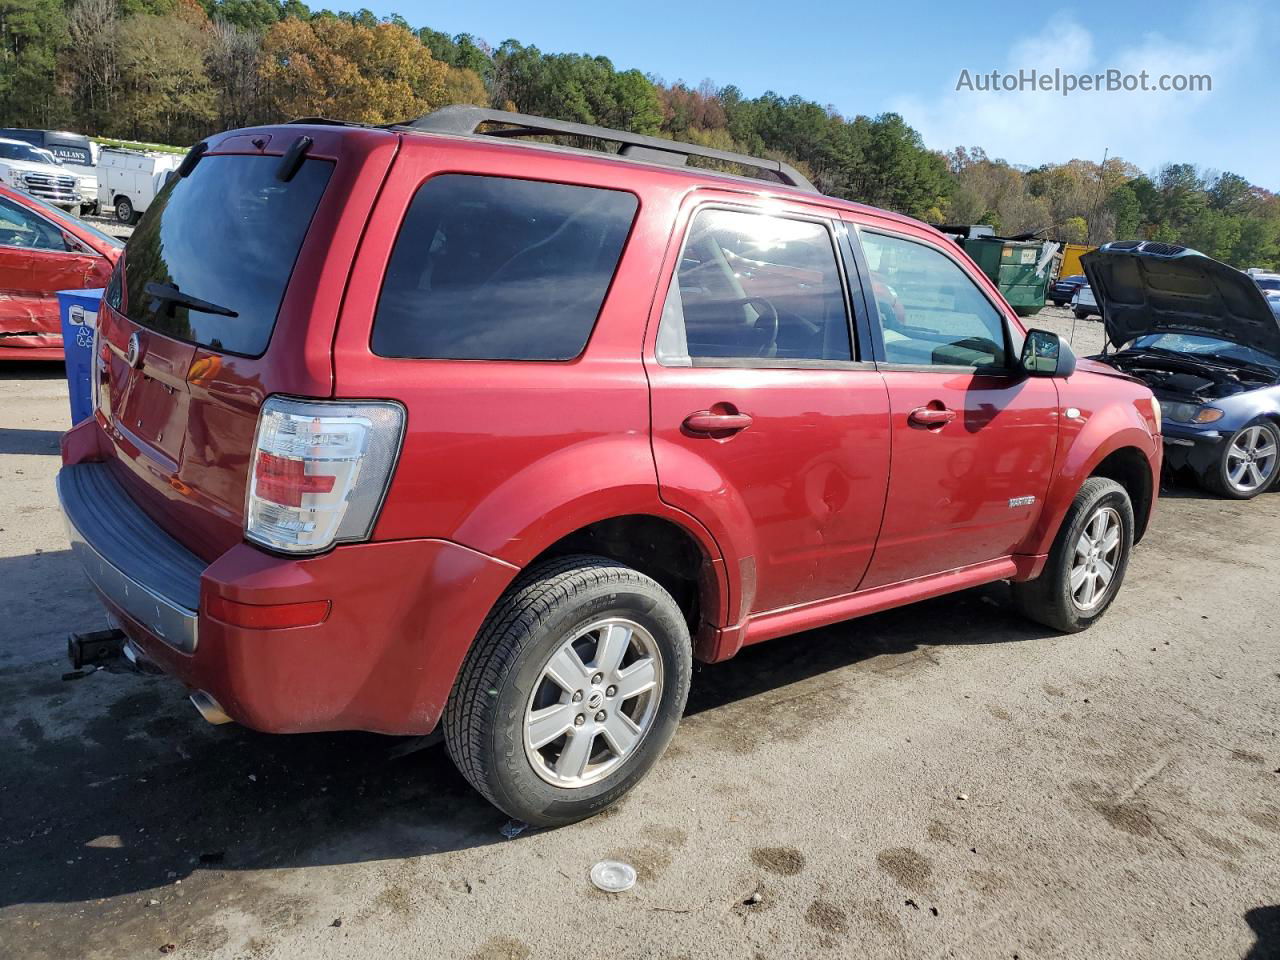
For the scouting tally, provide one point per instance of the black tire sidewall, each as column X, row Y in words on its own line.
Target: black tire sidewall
column 1220, row 481
column 123, row 202
column 1114, row 496
column 518, row 788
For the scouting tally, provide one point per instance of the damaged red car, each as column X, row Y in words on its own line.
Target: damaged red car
column 44, row 250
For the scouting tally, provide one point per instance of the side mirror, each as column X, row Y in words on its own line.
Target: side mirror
column 1045, row 354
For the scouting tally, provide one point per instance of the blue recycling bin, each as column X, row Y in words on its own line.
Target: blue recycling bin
column 79, row 312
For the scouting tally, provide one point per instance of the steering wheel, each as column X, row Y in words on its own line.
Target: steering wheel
column 771, row 312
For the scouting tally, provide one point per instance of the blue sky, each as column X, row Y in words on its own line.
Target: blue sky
column 907, row 56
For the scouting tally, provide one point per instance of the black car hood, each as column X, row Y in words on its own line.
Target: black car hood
column 1149, row 287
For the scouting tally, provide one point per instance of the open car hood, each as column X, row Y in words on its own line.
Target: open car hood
column 1149, row 287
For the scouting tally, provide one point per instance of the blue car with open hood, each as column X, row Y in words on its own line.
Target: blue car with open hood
column 1206, row 340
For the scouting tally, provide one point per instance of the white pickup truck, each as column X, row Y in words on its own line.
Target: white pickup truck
column 35, row 171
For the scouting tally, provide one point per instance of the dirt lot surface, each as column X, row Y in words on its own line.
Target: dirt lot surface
column 945, row 780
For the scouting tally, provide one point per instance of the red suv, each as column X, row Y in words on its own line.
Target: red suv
column 426, row 425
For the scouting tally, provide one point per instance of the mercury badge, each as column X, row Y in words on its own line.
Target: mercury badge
column 134, row 354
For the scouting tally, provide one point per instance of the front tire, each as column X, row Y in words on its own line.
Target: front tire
column 1087, row 563
column 1081, row 314
column 571, row 692
column 1249, row 463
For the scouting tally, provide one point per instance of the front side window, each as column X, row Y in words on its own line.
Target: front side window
column 931, row 313
column 751, row 286
column 22, row 228
column 491, row 268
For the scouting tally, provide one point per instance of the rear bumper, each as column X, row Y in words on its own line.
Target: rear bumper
column 401, row 617
column 139, row 569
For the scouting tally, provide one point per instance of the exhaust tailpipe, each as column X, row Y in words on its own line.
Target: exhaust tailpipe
column 209, row 708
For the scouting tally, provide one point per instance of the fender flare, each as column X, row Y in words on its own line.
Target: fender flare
column 1100, row 438
column 597, row 479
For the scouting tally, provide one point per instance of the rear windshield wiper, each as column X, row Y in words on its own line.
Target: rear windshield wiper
column 170, row 294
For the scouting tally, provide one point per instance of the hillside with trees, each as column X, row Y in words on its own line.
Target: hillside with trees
column 173, row 71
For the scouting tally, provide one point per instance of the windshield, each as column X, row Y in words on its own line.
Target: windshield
column 1194, row 344
column 20, row 151
column 1268, row 283
column 60, row 214
column 227, row 234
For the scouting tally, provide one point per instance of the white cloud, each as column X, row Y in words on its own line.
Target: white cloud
column 1145, row 128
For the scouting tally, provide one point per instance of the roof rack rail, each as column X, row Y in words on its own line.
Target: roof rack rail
column 466, row 120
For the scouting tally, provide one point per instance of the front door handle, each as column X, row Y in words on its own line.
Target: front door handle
column 931, row 416
column 716, row 424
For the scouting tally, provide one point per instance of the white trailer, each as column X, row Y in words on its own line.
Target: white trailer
column 128, row 180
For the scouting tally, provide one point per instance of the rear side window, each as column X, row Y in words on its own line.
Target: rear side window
column 489, row 268
column 227, row 234
column 754, row 287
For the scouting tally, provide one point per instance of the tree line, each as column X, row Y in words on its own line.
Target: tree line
column 174, row 71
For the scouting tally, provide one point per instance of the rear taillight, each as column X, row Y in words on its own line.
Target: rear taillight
column 319, row 472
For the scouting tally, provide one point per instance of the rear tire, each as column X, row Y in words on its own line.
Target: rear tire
column 1086, row 565
column 1245, row 468
column 125, row 212
column 1081, row 314
column 542, row 720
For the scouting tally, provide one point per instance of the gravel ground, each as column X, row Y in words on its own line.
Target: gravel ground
column 111, row 225
column 945, row 780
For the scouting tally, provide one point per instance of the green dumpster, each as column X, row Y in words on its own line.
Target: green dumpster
column 1012, row 266
column 1019, row 281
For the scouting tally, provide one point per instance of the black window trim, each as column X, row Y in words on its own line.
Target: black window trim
column 1011, row 347
column 854, row 318
column 462, row 172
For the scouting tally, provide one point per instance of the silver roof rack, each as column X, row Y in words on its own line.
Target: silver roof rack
column 467, row 120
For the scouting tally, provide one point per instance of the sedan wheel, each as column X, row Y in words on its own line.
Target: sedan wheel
column 1250, row 460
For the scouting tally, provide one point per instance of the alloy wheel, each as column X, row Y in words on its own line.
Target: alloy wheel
column 595, row 700
column 1251, row 459
column 1097, row 554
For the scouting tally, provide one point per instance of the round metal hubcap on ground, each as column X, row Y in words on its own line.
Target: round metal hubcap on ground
column 1251, row 459
column 596, row 699
column 1097, row 553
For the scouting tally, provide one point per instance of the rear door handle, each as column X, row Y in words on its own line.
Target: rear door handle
column 931, row 416
column 706, row 422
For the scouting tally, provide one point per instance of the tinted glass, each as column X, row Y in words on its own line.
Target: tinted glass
column 228, row 234
column 22, row 228
column 751, row 286
column 930, row 312
column 488, row 268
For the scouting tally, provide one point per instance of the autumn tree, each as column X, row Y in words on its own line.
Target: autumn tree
column 164, row 86
column 348, row 70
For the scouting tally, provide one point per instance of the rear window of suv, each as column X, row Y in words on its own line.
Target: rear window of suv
column 489, row 268
column 229, row 234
